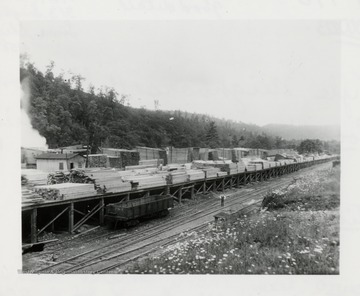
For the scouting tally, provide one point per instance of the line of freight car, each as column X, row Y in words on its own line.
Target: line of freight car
column 165, row 227
column 129, row 213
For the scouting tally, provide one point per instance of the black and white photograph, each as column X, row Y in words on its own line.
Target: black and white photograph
column 180, row 147
column 170, row 148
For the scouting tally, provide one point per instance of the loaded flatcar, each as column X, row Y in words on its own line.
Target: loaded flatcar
column 129, row 213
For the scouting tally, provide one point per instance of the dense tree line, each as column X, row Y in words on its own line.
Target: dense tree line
column 65, row 114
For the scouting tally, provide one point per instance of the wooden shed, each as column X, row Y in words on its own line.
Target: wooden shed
column 51, row 162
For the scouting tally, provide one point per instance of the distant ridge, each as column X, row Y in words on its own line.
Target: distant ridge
column 289, row 132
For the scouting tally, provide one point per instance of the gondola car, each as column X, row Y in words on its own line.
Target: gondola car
column 129, row 213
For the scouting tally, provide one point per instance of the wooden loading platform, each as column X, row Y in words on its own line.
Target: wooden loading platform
column 75, row 212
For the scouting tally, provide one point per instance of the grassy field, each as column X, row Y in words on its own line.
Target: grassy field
column 296, row 232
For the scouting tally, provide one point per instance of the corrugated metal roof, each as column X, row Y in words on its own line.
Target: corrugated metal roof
column 56, row 156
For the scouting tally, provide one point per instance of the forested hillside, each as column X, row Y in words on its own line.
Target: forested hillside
column 65, row 114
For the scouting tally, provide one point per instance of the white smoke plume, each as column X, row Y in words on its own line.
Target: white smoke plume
column 30, row 137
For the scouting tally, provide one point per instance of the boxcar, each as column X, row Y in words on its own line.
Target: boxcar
column 130, row 212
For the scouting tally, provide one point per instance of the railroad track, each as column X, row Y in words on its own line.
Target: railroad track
column 101, row 259
column 167, row 241
column 111, row 251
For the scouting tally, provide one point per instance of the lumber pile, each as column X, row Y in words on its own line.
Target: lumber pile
column 210, row 172
column 204, row 154
column 226, row 153
column 250, row 167
column 193, row 154
column 213, row 154
column 152, row 162
column 221, row 174
column 97, row 160
column 138, row 167
column 194, row 175
column 114, row 161
column 109, row 180
column 32, row 177
column 178, row 155
column 145, row 181
column 65, row 191
column 74, row 176
column 176, row 177
column 30, row 196
column 126, row 157
column 147, row 153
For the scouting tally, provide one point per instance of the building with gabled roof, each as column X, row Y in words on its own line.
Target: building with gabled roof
column 51, row 162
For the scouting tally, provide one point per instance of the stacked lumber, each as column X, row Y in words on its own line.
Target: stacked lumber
column 152, row 162
column 138, row 167
column 176, row 177
column 109, row 180
column 213, row 154
column 178, row 155
column 193, row 154
column 210, row 172
column 97, row 160
column 145, row 181
column 146, row 153
column 226, row 153
column 194, row 175
column 221, row 174
column 127, row 157
column 272, row 164
column 114, row 161
column 30, row 196
column 203, row 153
column 34, row 177
column 251, row 167
column 65, row 191
column 264, row 164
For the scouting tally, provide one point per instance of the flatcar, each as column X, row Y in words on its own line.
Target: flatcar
column 129, row 213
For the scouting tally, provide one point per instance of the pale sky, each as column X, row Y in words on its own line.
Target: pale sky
column 252, row 71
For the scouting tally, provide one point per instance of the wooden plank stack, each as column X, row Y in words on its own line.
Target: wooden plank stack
column 34, row 177
column 193, row 154
column 127, row 157
column 176, row 177
column 213, row 154
column 152, row 162
column 204, row 153
column 195, row 175
column 109, row 180
column 221, row 174
column 211, row 172
column 178, row 155
column 97, row 160
column 146, row 153
column 65, row 191
column 114, row 162
column 147, row 181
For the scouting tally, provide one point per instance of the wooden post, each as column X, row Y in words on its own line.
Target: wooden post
column 180, row 194
column 214, row 185
column 71, row 218
column 238, row 181
column 223, row 184
column 102, row 211
column 127, row 198
column 167, row 190
column 204, row 187
column 33, row 219
column 192, row 192
column 231, row 182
